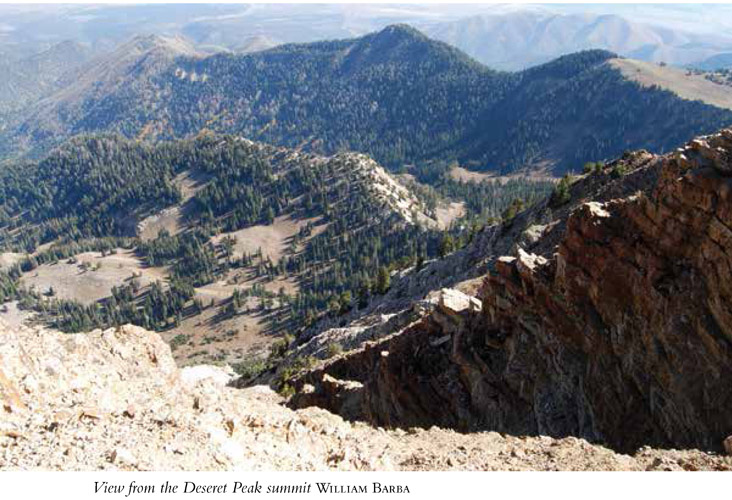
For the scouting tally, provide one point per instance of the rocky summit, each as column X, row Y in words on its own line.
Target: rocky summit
column 114, row 400
column 609, row 319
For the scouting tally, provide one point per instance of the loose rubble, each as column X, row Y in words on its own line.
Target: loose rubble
column 114, row 400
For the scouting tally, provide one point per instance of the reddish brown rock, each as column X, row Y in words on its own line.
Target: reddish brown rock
column 621, row 334
column 728, row 445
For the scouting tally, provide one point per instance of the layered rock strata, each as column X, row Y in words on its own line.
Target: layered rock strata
column 618, row 331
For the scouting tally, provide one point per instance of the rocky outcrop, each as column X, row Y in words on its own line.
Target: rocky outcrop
column 625, row 335
column 115, row 400
column 617, row 330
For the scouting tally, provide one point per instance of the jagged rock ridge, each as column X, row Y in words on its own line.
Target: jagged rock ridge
column 614, row 325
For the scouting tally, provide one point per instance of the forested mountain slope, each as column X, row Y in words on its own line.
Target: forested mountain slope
column 103, row 186
column 85, row 88
column 395, row 94
column 106, row 230
column 580, row 108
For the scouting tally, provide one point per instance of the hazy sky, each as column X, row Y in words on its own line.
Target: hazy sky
column 702, row 16
column 53, row 22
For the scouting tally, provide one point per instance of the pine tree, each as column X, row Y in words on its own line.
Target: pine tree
column 383, row 281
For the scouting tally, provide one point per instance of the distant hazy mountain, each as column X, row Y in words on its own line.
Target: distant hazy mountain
column 720, row 61
column 501, row 36
column 28, row 79
column 522, row 39
column 84, row 90
column 395, row 94
column 28, row 29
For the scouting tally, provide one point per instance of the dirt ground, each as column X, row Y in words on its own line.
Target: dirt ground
column 686, row 86
column 172, row 218
column 71, row 281
column 7, row 259
column 273, row 239
column 446, row 214
column 207, row 338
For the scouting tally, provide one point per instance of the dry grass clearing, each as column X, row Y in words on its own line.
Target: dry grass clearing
column 8, row 259
column 273, row 239
column 538, row 172
column 446, row 214
column 679, row 81
column 169, row 219
column 464, row 175
column 172, row 219
column 72, row 281
column 222, row 290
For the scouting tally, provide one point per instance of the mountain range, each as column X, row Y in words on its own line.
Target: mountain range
column 509, row 37
column 396, row 94
column 29, row 79
column 518, row 40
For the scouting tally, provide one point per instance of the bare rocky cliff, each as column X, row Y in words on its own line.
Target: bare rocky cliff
column 613, row 323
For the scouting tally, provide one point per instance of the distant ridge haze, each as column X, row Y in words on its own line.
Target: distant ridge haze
column 501, row 36
column 522, row 39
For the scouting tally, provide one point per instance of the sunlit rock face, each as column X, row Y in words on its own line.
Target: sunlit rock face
column 618, row 331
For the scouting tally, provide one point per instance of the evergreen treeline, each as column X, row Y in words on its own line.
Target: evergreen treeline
column 92, row 186
column 90, row 194
column 396, row 95
column 9, row 289
column 159, row 307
